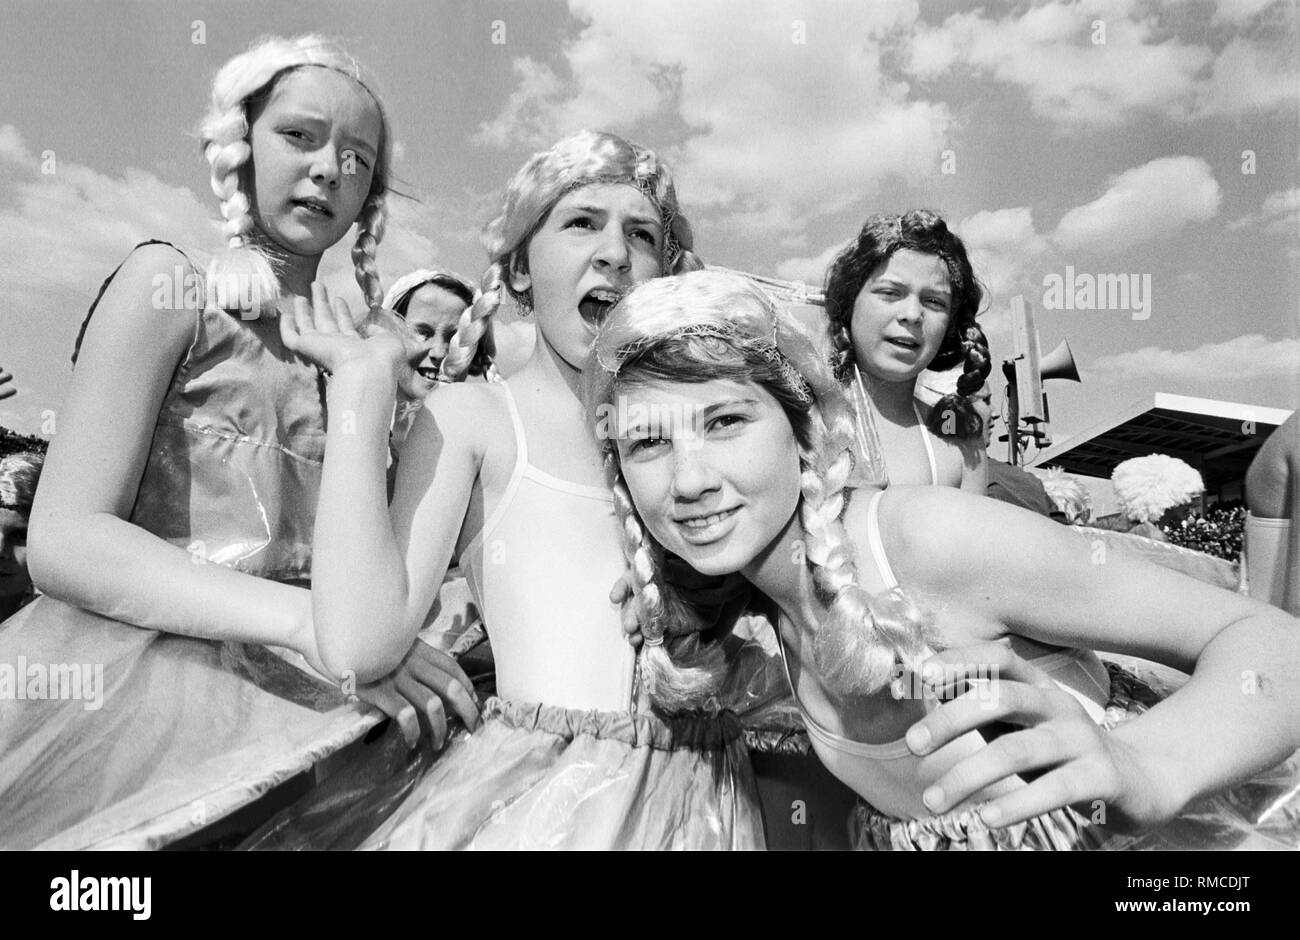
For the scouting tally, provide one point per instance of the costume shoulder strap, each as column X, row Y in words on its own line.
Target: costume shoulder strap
column 81, row 333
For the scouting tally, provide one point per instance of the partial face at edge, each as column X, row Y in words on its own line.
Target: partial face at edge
column 14, row 579
column 901, row 316
column 713, row 468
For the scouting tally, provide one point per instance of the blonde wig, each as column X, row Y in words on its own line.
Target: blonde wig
column 1070, row 496
column 1148, row 487
column 709, row 325
column 584, row 159
column 246, row 79
column 19, row 474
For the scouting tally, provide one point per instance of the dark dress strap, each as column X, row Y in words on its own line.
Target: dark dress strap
column 81, row 333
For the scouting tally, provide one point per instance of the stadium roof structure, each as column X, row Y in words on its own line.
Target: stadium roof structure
column 1218, row 438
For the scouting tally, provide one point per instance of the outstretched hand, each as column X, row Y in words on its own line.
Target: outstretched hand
column 1076, row 762
column 324, row 332
column 419, row 692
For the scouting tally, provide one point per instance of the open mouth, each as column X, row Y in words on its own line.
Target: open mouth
column 428, row 373
column 903, row 342
column 595, row 306
column 316, row 207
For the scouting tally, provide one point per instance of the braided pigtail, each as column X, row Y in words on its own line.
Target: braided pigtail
column 475, row 327
column 954, row 414
column 856, row 650
column 687, row 679
column 370, row 232
column 240, row 277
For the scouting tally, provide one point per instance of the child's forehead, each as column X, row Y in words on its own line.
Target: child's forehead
column 623, row 198
column 326, row 93
column 906, row 263
column 432, row 301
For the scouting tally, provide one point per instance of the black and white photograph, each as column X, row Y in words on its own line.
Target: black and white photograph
column 789, row 425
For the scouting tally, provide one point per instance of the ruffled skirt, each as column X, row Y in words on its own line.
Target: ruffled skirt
column 544, row 777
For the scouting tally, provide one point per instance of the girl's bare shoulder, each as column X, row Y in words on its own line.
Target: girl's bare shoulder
column 472, row 414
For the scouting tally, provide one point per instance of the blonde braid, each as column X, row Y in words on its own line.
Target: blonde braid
column 857, row 648
column 673, row 686
column 370, row 232
column 241, row 277
column 474, row 324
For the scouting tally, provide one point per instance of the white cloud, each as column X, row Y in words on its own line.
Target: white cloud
column 1002, row 244
column 1279, row 215
column 1241, row 11
column 1053, row 52
column 1246, row 357
column 1250, row 76
column 1141, row 204
column 765, row 141
column 812, row 270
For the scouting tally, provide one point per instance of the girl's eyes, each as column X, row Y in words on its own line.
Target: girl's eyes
column 586, row 222
column 726, row 422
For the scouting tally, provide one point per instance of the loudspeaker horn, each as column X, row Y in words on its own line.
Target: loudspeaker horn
column 1059, row 364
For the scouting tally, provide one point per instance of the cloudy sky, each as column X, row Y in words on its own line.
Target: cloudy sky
column 1115, row 137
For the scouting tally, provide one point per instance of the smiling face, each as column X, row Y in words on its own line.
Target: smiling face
column 596, row 243
column 14, row 580
column 901, row 316
column 316, row 143
column 713, row 468
column 431, row 314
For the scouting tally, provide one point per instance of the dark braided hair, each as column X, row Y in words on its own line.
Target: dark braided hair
column 923, row 231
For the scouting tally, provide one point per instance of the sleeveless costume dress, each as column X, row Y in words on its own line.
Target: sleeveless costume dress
column 588, row 769
column 182, row 734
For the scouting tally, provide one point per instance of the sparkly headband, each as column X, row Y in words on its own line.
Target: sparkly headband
column 766, row 346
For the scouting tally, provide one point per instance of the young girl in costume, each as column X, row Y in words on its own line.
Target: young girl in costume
column 177, row 500
column 505, row 476
column 731, row 445
column 901, row 299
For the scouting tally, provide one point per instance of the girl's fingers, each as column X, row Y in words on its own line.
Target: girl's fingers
column 322, row 312
column 427, row 702
column 343, row 317
column 303, row 316
column 449, row 682
column 1010, row 755
column 1074, row 784
column 384, row 696
column 988, row 701
column 289, row 330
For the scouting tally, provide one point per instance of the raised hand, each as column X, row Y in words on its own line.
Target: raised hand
column 1076, row 761
column 324, row 332
column 7, row 389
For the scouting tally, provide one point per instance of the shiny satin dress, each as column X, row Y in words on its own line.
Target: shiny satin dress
column 177, row 732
